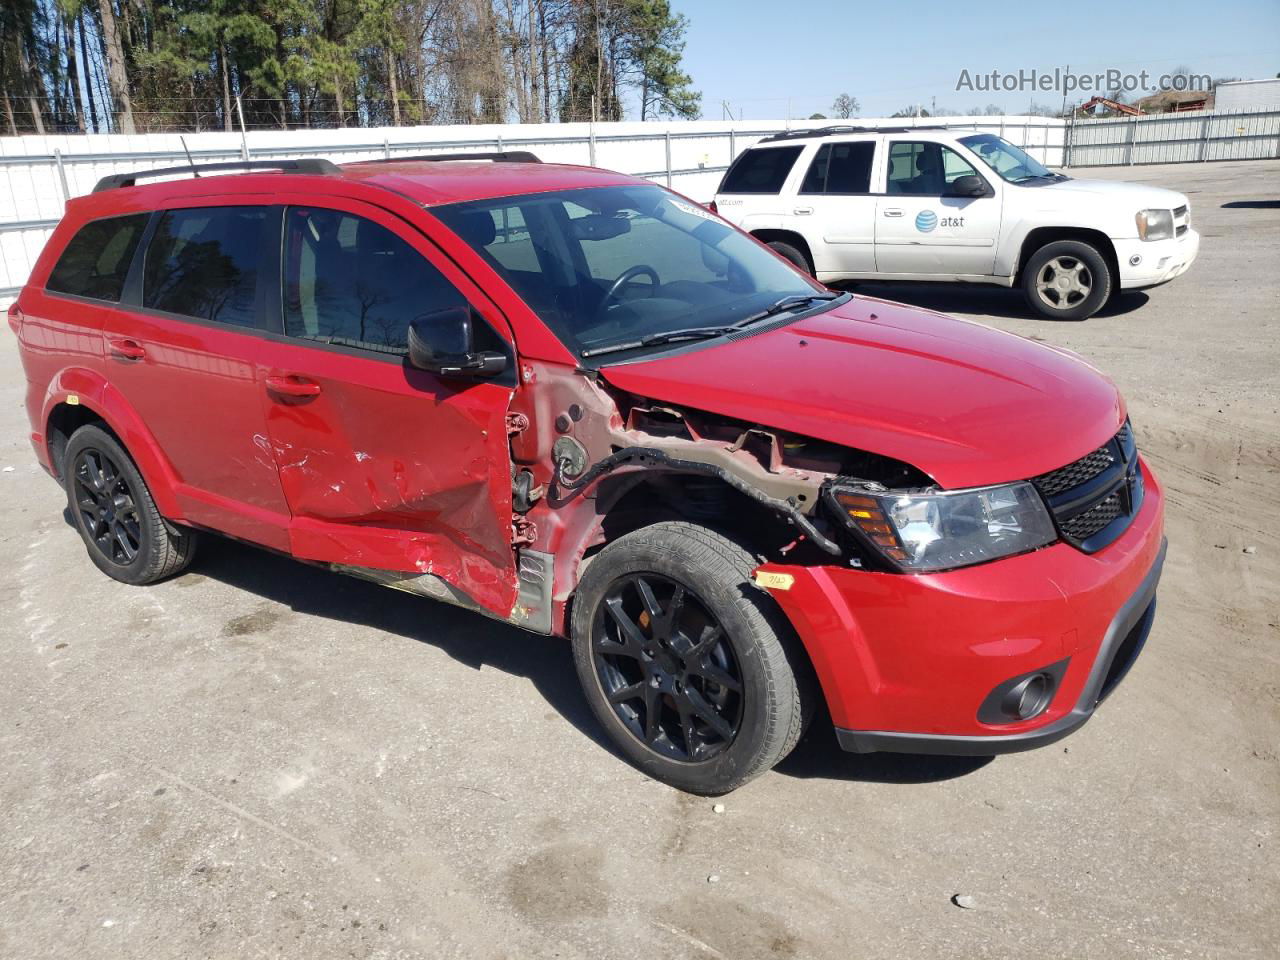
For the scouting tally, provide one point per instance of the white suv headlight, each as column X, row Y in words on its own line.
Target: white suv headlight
column 939, row 530
column 1155, row 224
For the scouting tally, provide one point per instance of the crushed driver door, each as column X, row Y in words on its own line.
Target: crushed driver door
column 385, row 466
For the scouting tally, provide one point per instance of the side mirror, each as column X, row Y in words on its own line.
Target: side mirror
column 443, row 342
column 970, row 185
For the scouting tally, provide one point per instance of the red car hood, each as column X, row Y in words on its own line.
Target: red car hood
column 967, row 404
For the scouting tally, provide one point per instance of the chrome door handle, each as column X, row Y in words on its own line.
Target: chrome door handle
column 802, row 211
column 893, row 212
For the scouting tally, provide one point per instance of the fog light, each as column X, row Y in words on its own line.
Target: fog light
column 1029, row 697
column 1135, row 260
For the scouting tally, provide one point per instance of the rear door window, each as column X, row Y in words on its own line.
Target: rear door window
column 352, row 282
column 760, row 170
column 841, row 168
column 204, row 263
column 96, row 261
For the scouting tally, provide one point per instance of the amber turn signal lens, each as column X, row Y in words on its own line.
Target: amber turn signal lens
column 867, row 516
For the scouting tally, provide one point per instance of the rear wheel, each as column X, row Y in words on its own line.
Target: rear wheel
column 792, row 254
column 1067, row 280
column 125, row 535
column 683, row 658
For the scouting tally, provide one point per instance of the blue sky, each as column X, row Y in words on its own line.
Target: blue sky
column 757, row 53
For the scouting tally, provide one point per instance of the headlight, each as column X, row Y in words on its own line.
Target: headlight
column 929, row 531
column 1155, row 224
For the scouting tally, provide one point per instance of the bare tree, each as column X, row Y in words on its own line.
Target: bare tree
column 845, row 106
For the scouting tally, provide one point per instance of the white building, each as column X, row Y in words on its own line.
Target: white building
column 1247, row 95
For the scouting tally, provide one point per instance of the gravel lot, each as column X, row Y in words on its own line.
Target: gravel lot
column 260, row 759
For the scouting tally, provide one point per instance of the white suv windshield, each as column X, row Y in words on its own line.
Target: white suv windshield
column 612, row 268
column 1011, row 163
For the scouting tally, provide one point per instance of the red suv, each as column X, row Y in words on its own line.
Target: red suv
column 577, row 402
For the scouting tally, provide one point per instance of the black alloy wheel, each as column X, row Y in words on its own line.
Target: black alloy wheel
column 106, row 505
column 667, row 668
column 115, row 514
column 690, row 667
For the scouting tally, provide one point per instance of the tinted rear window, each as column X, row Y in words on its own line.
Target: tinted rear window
column 204, row 263
column 841, row 168
column 97, row 259
column 760, row 171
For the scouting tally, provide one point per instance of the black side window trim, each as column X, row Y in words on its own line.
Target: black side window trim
column 132, row 296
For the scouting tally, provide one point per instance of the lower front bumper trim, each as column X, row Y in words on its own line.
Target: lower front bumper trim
column 875, row 741
column 1120, row 647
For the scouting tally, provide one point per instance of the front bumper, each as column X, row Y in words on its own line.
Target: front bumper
column 906, row 662
column 1161, row 260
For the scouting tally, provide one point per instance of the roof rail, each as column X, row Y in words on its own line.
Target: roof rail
column 840, row 131
column 502, row 156
column 307, row 166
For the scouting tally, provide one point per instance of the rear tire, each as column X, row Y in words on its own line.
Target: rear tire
column 792, row 255
column 114, row 512
column 686, row 663
column 1067, row 280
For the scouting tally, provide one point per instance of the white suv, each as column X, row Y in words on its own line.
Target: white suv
column 927, row 203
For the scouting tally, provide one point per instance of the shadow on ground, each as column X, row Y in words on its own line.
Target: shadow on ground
column 978, row 300
column 476, row 641
column 1252, row 205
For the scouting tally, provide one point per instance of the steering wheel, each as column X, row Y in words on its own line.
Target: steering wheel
column 625, row 279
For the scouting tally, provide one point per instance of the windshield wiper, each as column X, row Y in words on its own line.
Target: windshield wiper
column 707, row 333
column 783, row 305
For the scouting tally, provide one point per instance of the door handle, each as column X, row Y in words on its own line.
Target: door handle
column 802, row 211
column 893, row 212
column 123, row 348
column 292, row 385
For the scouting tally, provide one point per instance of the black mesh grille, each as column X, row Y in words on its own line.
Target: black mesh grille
column 1073, row 474
column 1084, row 525
column 1087, row 497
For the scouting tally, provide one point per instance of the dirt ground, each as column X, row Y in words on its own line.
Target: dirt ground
column 259, row 759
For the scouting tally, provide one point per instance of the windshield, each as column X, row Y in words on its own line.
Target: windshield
column 609, row 268
column 1004, row 158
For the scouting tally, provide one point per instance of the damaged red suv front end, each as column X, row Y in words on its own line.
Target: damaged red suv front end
column 967, row 653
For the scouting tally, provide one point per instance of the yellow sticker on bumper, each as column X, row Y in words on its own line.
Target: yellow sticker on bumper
column 774, row 581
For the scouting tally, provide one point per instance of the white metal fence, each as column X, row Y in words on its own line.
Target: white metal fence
column 1174, row 138
column 39, row 174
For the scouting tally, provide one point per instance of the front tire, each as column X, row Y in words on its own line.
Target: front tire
column 114, row 512
column 684, row 661
column 1067, row 280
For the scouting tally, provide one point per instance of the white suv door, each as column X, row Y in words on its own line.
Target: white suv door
column 919, row 229
column 835, row 210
